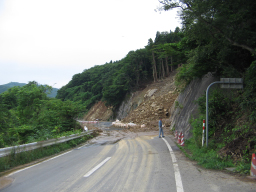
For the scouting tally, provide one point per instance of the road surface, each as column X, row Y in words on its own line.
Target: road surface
column 121, row 161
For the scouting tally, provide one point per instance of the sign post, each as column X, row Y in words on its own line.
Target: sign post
column 203, row 133
column 226, row 83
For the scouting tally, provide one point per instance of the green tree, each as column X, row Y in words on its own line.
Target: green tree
column 28, row 98
column 233, row 21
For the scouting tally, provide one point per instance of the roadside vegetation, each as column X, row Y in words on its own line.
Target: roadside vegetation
column 218, row 42
column 16, row 159
column 28, row 115
column 232, row 136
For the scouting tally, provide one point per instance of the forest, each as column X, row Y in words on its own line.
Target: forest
column 112, row 81
column 5, row 87
column 27, row 115
column 217, row 36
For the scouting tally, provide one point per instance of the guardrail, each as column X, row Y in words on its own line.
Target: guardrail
column 31, row 146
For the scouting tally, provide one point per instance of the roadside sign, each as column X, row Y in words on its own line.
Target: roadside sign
column 231, row 83
column 226, row 83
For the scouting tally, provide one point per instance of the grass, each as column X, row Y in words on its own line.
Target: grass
column 206, row 157
column 16, row 159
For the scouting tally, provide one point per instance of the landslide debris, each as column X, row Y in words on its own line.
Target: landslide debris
column 148, row 105
column 157, row 99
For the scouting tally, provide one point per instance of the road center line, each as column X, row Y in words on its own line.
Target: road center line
column 178, row 180
column 97, row 167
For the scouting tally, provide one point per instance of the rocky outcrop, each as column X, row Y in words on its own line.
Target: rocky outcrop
column 128, row 105
column 185, row 106
column 153, row 103
column 99, row 111
column 151, row 110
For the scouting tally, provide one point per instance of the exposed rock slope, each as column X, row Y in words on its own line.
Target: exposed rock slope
column 99, row 111
column 142, row 107
column 155, row 102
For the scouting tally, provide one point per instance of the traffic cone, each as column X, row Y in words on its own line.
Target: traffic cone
column 253, row 166
column 176, row 134
column 179, row 141
column 182, row 140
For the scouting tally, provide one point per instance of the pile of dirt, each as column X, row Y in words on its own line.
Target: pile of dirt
column 151, row 110
column 156, row 101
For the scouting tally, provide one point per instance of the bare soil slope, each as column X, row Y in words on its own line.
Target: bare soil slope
column 157, row 98
column 148, row 104
column 99, row 111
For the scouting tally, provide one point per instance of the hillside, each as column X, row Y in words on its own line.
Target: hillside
column 153, row 102
column 146, row 106
column 5, row 87
column 224, row 48
column 99, row 111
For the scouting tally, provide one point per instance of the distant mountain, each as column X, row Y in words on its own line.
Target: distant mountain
column 12, row 84
column 53, row 93
column 4, row 88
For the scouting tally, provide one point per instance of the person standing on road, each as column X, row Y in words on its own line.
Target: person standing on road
column 160, row 128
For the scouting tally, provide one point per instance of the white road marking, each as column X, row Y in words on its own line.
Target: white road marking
column 57, row 156
column 97, row 167
column 82, row 146
column 36, row 164
column 21, row 170
column 178, row 180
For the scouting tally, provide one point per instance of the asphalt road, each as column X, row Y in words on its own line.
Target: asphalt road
column 137, row 162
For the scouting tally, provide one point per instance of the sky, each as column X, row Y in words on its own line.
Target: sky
column 49, row 41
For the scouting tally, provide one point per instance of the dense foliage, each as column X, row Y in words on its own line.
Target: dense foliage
column 27, row 115
column 220, row 37
column 5, row 87
column 110, row 82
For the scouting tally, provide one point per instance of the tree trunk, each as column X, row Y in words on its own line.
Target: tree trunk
column 137, row 75
column 167, row 67
column 154, row 67
column 163, row 68
column 171, row 63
